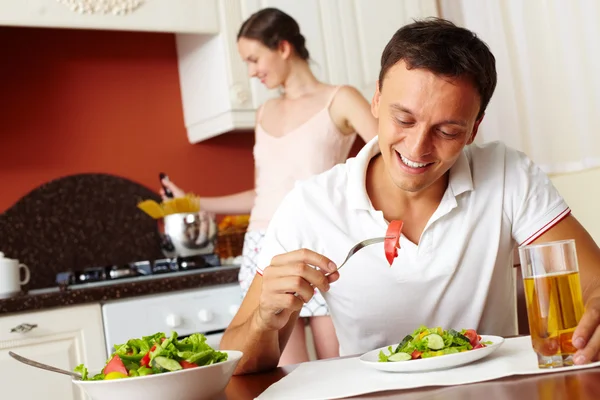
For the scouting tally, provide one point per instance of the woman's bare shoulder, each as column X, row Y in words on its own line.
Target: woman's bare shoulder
column 349, row 93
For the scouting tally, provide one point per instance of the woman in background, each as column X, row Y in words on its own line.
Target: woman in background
column 307, row 130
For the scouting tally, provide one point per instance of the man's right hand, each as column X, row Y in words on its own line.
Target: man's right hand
column 291, row 273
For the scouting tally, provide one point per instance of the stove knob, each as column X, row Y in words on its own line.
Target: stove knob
column 233, row 309
column 205, row 315
column 173, row 320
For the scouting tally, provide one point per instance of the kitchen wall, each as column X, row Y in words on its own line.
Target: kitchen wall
column 75, row 101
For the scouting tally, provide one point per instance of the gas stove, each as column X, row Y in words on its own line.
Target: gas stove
column 145, row 269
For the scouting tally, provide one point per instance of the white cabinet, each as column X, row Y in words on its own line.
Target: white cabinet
column 213, row 79
column 64, row 338
column 345, row 39
column 197, row 16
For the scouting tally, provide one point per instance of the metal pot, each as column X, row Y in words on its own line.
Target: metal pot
column 188, row 234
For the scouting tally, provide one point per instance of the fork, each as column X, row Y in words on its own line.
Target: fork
column 359, row 246
column 355, row 249
column 43, row 366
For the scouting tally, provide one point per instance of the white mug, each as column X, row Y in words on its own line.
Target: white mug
column 10, row 276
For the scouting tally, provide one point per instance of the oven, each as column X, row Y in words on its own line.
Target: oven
column 207, row 310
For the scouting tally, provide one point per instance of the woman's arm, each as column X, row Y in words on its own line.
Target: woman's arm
column 238, row 203
column 352, row 113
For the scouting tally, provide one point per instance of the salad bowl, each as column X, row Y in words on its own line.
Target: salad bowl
column 200, row 383
column 158, row 367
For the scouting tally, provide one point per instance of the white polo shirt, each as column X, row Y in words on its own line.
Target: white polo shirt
column 460, row 274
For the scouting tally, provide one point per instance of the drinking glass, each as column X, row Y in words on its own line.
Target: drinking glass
column 554, row 301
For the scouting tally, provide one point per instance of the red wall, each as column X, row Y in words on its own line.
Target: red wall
column 77, row 101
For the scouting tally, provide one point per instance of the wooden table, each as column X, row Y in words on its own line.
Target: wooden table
column 574, row 385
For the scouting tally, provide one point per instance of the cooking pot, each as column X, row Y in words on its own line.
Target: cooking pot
column 188, row 234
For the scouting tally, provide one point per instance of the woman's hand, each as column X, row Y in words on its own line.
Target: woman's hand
column 291, row 273
column 177, row 192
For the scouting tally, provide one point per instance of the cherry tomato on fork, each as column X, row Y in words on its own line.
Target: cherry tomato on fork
column 392, row 244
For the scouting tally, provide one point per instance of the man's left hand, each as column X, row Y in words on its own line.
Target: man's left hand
column 586, row 338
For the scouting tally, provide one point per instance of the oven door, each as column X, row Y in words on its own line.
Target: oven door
column 204, row 310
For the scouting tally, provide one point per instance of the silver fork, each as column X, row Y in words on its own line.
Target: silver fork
column 355, row 249
column 360, row 246
column 43, row 366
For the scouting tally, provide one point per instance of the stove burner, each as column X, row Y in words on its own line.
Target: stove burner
column 121, row 271
column 136, row 269
column 164, row 266
column 92, row 275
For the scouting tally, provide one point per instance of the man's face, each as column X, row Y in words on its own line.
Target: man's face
column 425, row 120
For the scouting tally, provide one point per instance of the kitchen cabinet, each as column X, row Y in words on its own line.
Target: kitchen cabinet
column 195, row 16
column 345, row 39
column 64, row 337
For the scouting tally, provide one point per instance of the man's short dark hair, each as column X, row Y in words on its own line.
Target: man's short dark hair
column 445, row 49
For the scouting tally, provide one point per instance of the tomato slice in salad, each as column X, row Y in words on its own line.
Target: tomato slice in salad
column 416, row 354
column 187, row 364
column 145, row 361
column 392, row 244
column 115, row 365
column 473, row 337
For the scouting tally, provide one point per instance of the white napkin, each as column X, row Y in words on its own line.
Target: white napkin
column 347, row 377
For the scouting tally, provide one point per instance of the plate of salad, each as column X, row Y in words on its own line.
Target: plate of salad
column 159, row 367
column 428, row 349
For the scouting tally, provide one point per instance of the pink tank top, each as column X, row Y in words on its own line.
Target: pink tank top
column 314, row 147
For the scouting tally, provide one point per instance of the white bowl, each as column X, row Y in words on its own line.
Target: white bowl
column 198, row 383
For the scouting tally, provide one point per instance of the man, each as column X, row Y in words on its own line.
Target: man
column 464, row 209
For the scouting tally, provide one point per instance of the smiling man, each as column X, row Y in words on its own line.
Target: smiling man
column 464, row 207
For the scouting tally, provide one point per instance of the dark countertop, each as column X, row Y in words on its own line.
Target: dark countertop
column 54, row 297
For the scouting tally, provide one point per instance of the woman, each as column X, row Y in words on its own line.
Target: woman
column 307, row 130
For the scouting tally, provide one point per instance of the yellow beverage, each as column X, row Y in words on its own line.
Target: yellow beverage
column 554, row 308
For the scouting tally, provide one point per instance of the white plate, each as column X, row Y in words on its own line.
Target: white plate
column 429, row 364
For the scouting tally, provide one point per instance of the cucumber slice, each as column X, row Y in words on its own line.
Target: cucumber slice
column 462, row 339
column 399, row 357
column 403, row 343
column 434, row 341
column 167, row 363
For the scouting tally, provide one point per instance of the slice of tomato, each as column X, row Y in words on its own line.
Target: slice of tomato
column 415, row 354
column 115, row 365
column 187, row 364
column 145, row 361
column 392, row 244
column 471, row 334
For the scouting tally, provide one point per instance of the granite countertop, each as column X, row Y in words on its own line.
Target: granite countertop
column 55, row 297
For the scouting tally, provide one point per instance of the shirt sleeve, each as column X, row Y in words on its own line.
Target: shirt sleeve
column 283, row 232
column 533, row 203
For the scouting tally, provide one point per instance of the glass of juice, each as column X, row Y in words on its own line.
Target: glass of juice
column 554, row 302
